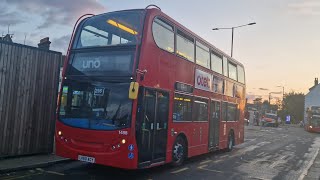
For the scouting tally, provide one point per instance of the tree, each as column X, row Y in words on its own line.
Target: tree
column 257, row 102
column 293, row 105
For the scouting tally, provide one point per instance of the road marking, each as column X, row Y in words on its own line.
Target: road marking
column 180, row 170
column 224, row 156
column 57, row 173
column 20, row 177
column 216, row 161
column 204, row 162
column 305, row 170
column 203, row 167
column 260, row 154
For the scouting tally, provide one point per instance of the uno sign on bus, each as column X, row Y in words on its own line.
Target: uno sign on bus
column 203, row 80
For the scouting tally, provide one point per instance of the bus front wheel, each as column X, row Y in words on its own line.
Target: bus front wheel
column 179, row 151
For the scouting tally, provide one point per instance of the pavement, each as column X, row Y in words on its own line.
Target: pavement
column 29, row 162
column 287, row 152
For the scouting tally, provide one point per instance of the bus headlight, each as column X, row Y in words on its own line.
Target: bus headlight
column 123, row 141
column 310, row 127
column 59, row 133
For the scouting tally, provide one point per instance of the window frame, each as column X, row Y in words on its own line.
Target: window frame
column 199, row 44
column 219, row 56
column 164, row 20
column 244, row 74
column 236, row 112
column 207, row 102
column 173, row 110
column 236, row 68
column 222, row 118
column 189, row 38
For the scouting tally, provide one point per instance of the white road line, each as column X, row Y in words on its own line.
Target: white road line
column 56, row 173
column 260, row 154
column 305, row 171
column 203, row 167
column 204, row 162
column 179, row 170
column 224, row 156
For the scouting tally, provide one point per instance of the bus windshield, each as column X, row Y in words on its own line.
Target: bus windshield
column 95, row 106
column 315, row 121
column 110, row 29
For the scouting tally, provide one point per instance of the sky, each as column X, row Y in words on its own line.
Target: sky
column 282, row 49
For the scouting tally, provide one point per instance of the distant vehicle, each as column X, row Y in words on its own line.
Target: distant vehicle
column 141, row 90
column 270, row 119
column 313, row 119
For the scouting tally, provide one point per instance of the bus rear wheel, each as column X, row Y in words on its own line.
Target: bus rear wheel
column 179, row 151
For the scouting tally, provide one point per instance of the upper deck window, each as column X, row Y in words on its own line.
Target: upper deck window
column 185, row 46
column 225, row 66
column 232, row 71
column 216, row 63
column 241, row 77
column 202, row 55
column 110, row 29
column 163, row 34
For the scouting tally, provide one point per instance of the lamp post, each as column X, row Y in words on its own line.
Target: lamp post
column 282, row 92
column 232, row 28
column 270, row 98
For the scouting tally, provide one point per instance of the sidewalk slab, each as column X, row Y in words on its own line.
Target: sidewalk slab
column 29, row 162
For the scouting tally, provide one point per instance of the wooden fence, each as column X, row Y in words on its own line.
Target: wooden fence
column 28, row 91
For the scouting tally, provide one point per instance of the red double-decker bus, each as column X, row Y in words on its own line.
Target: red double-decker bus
column 313, row 119
column 139, row 90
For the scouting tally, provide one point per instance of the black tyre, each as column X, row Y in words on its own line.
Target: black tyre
column 230, row 142
column 179, row 151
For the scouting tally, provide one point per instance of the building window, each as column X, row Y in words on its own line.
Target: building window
column 163, row 35
column 225, row 66
column 224, row 111
column 232, row 112
column 182, row 108
column 216, row 63
column 200, row 109
column 232, row 71
column 185, row 46
column 202, row 55
column 241, row 77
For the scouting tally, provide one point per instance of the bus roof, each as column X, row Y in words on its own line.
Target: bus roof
column 174, row 22
column 212, row 47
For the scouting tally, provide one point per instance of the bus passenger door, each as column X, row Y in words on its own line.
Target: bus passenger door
column 214, row 125
column 151, row 126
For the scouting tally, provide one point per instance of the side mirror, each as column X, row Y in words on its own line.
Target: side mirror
column 133, row 90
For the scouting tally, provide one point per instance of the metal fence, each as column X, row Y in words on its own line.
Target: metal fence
column 28, row 91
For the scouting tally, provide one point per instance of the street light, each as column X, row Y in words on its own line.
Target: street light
column 232, row 28
column 270, row 95
column 282, row 92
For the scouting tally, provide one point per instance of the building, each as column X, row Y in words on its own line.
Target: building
column 312, row 98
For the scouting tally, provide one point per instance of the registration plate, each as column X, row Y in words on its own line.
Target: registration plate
column 86, row 159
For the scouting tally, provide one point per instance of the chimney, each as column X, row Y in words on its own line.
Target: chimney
column 316, row 82
column 44, row 43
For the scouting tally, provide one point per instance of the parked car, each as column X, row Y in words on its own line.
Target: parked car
column 270, row 119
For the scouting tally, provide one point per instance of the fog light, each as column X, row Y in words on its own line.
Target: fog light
column 59, row 133
column 123, row 141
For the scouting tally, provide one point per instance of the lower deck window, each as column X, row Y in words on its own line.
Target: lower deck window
column 200, row 109
column 182, row 108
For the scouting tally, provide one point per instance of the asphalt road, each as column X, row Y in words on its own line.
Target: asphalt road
column 268, row 153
